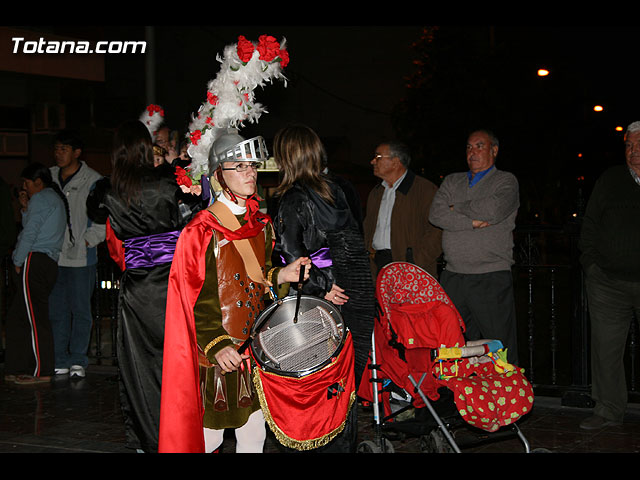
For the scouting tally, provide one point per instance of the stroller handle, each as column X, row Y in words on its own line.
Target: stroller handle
column 447, row 353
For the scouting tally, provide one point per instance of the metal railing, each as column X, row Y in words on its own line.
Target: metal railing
column 102, row 349
column 553, row 316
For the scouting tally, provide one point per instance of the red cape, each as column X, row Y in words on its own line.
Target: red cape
column 181, row 406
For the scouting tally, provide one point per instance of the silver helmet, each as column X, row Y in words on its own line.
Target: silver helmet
column 232, row 147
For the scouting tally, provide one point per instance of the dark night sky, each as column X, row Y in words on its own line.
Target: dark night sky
column 342, row 81
column 345, row 79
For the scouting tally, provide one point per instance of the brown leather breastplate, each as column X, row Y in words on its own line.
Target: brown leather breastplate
column 241, row 298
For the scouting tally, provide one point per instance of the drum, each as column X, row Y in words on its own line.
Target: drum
column 296, row 348
column 305, row 377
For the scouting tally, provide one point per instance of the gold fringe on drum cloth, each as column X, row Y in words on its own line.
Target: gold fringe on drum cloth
column 302, row 445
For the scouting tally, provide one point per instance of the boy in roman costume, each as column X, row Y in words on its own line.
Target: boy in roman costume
column 222, row 268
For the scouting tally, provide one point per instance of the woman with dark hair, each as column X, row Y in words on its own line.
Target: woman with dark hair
column 45, row 214
column 146, row 216
column 314, row 220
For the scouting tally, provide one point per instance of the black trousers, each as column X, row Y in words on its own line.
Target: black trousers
column 29, row 340
column 487, row 306
column 612, row 305
column 382, row 258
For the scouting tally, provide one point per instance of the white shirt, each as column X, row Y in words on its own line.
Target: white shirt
column 382, row 236
column 234, row 207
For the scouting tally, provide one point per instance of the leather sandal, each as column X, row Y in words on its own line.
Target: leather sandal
column 31, row 380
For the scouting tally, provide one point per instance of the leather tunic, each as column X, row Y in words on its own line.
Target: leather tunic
column 241, row 298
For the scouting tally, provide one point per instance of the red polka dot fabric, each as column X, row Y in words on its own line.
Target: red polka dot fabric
column 485, row 398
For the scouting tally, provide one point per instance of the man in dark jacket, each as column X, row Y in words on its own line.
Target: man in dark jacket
column 396, row 224
column 611, row 261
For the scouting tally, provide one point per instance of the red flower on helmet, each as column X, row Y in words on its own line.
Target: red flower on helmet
column 245, row 49
column 182, row 178
column 155, row 109
column 284, row 58
column 213, row 99
column 268, row 47
column 195, row 137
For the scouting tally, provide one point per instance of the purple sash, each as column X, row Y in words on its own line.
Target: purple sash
column 320, row 258
column 150, row 250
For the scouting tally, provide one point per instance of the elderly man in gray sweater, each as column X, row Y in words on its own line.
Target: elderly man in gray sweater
column 476, row 211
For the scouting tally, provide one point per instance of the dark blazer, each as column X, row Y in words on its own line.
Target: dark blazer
column 413, row 238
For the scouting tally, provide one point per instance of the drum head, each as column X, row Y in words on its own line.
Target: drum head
column 299, row 348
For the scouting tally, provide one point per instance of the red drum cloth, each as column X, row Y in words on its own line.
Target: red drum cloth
column 301, row 412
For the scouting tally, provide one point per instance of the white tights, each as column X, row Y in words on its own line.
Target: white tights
column 250, row 437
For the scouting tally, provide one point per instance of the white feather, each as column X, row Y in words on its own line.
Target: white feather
column 233, row 87
column 152, row 120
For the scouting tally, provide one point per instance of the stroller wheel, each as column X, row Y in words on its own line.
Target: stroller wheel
column 435, row 442
column 369, row 446
column 541, row 450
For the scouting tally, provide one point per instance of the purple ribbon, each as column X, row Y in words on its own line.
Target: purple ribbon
column 206, row 189
column 320, row 258
column 150, row 250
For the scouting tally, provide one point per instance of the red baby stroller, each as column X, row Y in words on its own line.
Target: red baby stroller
column 419, row 356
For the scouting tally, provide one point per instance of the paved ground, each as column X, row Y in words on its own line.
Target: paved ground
column 83, row 416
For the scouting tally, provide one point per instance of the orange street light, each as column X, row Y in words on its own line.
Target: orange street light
column 543, row 72
column 598, row 108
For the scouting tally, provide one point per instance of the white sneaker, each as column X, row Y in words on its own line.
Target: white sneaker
column 76, row 371
column 61, row 371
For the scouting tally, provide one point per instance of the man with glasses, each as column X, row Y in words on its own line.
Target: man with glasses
column 396, row 224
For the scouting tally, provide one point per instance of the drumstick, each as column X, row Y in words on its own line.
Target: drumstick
column 257, row 328
column 300, row 282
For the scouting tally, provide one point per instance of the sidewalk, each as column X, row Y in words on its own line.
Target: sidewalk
column 83, row 416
